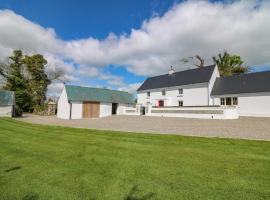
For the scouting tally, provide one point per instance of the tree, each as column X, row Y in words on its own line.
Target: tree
column 38, row 80
column 27, row 77
column 199, row 59
column 15, row 80
column 229, row 65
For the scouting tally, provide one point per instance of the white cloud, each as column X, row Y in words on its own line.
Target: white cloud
column 131, row 88
column 188, row 28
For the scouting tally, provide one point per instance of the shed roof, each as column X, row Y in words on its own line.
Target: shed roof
column 241, row 84
column 7, row 98
column 78, row 93
column 187, row 77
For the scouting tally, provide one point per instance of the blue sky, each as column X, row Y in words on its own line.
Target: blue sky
column 117, row 44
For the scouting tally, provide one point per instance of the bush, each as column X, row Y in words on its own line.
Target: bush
column 41, row 109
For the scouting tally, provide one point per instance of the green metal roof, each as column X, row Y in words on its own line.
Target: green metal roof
column 6, row 98
column 78, row 93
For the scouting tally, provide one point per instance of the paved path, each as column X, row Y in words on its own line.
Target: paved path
column 245, row 127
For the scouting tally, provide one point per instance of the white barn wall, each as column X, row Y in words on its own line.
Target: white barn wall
column 63, row 107
column 105, row 109
column 6, row 111
column 77, row 108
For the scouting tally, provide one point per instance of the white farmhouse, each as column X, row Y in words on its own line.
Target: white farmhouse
column 202, row 93
column 77, row 102
column 7, row 102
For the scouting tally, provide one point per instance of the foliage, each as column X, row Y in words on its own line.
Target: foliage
column 26, row 76
column 15, row 79
column 229, row 65
column 68, row 163
column 38, row 80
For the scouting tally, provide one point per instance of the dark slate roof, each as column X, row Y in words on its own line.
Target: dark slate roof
column 78, row 93
column 187, row 77
column 7, row 98
column 240, row 84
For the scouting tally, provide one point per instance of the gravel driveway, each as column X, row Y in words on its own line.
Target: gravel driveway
column 245, row 127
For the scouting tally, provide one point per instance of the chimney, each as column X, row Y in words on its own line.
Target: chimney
column 171, row 71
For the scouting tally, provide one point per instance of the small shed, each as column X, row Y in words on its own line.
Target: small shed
column 7, row 103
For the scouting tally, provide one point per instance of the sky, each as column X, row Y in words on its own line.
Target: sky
column 118, row 44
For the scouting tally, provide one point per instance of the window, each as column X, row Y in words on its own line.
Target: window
column 222, row 101
column 180, row 103
column 148, row 94
column 228, row 101
column 163, row 92
column 180, row 90
column 235, row 101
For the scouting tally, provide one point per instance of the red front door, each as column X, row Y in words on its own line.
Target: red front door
column 160, row 103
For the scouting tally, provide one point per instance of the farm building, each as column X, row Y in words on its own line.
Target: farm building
column 76, row 102
column 7, row 102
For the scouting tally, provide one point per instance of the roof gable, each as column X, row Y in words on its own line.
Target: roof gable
column 240, row 84
column 78, row 93
column 187, row 77
column 7, row 98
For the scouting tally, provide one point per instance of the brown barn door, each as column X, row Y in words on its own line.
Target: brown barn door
column 90, row 109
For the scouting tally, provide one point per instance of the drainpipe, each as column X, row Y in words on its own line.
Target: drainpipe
column 70, row 109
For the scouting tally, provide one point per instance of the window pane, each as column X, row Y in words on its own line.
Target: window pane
column 222, row 101
column 180, row 90
column 148, row 94
column 235, row 101
column 163, row 92
column 228, row 101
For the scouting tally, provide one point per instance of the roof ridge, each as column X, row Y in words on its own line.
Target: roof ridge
column 98, row 88
column 184, row 71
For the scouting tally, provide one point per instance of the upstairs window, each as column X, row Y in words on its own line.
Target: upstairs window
column 148, row 94
column 180, row 91
column 163, row 92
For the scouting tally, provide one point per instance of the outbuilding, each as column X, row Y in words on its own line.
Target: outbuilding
column 250, row 93
column 7, row 102
column 76, row 102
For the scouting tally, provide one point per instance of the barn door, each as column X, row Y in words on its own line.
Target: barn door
column 90, row 109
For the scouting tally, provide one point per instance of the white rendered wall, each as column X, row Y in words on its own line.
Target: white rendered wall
column 77, row 108
column 211, row 85
column 122, row 108
column 105, row 109
column 253, row 105
column 6, row 111
column 193, row 95
column 227, row 113
column 63, row 107
column 256, row 105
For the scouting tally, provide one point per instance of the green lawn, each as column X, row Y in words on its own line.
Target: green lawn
column 48, row 162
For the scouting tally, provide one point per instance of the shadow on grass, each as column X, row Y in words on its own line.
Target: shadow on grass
column 131, row 195
column 31, row 196
column 13, row 168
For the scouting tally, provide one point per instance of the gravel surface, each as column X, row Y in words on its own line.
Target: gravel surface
column 244, row 128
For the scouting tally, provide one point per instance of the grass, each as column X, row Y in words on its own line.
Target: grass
column 49, row 162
